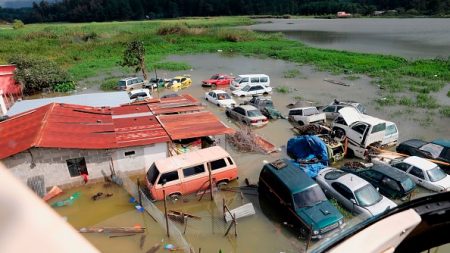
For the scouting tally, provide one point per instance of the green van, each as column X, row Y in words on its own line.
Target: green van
column 300, row 197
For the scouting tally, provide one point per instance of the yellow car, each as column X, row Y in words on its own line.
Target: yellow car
column 179, row 82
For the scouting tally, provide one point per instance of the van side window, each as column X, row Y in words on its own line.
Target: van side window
column 230, row 161
column 169, row 176
column 193, row 170
column 295, row 112
column 263, row 79
column 244, row 80
column 218, row 164
column 255, row 80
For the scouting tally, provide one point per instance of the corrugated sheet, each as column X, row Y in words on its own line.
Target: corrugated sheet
column 190, row 125
column 181, row 104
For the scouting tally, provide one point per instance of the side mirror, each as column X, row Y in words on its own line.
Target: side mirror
column 353, row 201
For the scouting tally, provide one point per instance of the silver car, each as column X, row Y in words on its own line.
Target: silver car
column 248, row 115
column 353, row 192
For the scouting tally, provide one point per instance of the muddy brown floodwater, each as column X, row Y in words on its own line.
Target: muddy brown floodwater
column 263, row 232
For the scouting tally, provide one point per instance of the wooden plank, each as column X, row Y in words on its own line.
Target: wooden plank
column 112, row 230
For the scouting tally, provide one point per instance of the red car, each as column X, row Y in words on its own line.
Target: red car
column 218, row 80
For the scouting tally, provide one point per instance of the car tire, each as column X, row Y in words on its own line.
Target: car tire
column 242, row 96
column 228, row 114
column 174, row 196
column 206, row 99
column 222, row 183
column 301, row 123
column 218, row 105
column 213, row 86
column 265, row 94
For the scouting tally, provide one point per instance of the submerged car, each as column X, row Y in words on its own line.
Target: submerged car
column 390, row 182
column 248, row 115
column 218, row 80
column 437, row 149
column 130, row 83
column 179, row 82
column 251, row 90
column 299, row 197
column 265, row 105
column 353, row 192
column 423, row 172
column 220, row 98
column 139, row 94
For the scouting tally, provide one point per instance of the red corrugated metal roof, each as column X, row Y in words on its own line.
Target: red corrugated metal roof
column 190, row 125
column 74, row 126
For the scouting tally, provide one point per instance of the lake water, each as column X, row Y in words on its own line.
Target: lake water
column 411, row 38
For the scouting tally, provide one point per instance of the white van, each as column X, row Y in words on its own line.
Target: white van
column 390, row 135
column 242, row 80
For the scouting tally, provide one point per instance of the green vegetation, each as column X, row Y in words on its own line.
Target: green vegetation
column 64, row 87
column 445, row 110
column 109, row 84
column 387, row 100
column 448, row 93
column 87, row 49
column 352, row 77
column 282, row 89
column 17, row 24
column 347, row 215
column 291, row 73
column 134, row 56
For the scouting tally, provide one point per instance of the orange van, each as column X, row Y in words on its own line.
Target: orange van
column 189, row 172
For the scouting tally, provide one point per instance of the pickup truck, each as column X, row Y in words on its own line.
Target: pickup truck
column 265, row 105
column 306, row 115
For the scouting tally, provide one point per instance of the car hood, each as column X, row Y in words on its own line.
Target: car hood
column 445, row 182
column 320, row 215
column 209, row 80
column 350, row 115
column 381, row 206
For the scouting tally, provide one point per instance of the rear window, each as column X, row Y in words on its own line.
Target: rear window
column 378, row 128
column 152, row 174
column 218, row 164
column 263, row 79
column 139, row 94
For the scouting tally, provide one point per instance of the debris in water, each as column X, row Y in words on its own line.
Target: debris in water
column 139, row 208
column 154, row 248
column 106, row 230
column 68, row 201
column 55, row 191
column 169, row 246
column 245, row 140
column 142, row 241
column 100, row 195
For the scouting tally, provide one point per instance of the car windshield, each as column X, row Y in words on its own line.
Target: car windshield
column 176, row 80
column 214, row 77
column 367, row 195
column 433, row 149
column 152, row 174
column 309, row 197
column 254, row 113
column 436, row 174
column 223, row 96
column 246, row 88
column 122, row 83
column 407, row 184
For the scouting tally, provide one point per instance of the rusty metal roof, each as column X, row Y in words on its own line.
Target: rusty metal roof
column 74, row 126
column 60, row 125
column 191, row 125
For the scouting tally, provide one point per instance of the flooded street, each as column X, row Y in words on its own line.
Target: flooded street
column 263, row 232
column 411, row 38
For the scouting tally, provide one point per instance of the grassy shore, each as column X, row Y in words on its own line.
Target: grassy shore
column 88, row 49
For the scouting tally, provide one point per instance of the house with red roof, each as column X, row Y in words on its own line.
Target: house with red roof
column 10, row 90
column 60, row 143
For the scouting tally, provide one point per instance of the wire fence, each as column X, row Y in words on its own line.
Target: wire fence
column 175, row 234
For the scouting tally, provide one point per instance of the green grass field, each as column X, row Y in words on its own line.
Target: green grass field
column 87, row 49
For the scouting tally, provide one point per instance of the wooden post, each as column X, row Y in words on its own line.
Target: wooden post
column 165, row 213
column 309, row 237
column 185, row 223
column 235, row 224
column 139, row 191
column 223, row 208
column 210, row 181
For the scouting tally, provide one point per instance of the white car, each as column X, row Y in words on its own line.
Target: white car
column 353, row 192
column 220, row 98
column 425, row 173
column 139, row 94
column 250, row 90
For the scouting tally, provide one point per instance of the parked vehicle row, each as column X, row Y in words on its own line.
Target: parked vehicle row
column 176, row 83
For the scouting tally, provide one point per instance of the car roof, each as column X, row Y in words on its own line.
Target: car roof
column 302, row 108
column 414, row 143
column 442, row 142
column 134, row 91
column 351, row 115
column 291, row 176
column 419, row 162
column 248, row 107
column 252, row 75
column 389, row 171
column 191, row 158
column 128, row 78
column 352, row 181
column 219, row 91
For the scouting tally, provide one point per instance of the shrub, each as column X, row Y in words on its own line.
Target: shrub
column 38, row 73
column 282, row 89
column 426, row 101
column 448, row 93
column 64, row 87
column 109, row 84
column 179, row 29
column 388, row 100
column 445, row 110
column 17, row 24
column 292, row 73
column 235, row 35
column 406, row 101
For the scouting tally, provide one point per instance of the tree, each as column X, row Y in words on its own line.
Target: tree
column 37, row 73
column 134, row 56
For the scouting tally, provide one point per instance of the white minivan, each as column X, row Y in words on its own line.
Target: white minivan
column 248, row 79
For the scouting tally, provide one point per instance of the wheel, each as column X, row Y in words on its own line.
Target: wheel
column 242, row 96
column 206, row 99
column 218, row 105
column 301, row 123
column 213, row 86
column 265, row 94
column 221, row 184
column 228, row 114
column 174, row 196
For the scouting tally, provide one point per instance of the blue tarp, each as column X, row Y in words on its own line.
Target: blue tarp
column 310, row 152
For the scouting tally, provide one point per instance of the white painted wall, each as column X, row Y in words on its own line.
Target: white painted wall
column 142, row 159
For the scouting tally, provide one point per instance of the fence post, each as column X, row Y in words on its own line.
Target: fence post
column 139, row 191
column 210, row 181
column 165, row 213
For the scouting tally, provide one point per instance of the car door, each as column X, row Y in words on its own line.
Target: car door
column 240, row 114
column 330, row 111
column 358, row 132
column 418, row 176
column 344, row 195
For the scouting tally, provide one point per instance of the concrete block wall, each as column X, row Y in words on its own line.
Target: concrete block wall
column 51, row 163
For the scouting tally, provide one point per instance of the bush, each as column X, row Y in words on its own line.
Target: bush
column 406, row 101
column 282, row 89
column 426, row 101
column 17, row 24
column 388, row 100
column 292, row 73
column 236, row 35
column 445, row 110
column 37, row 73
column 109, row 84
column 448, row 93
column 179, row 29
column 64, row 87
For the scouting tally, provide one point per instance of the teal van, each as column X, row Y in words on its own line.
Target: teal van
column 299, row 197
